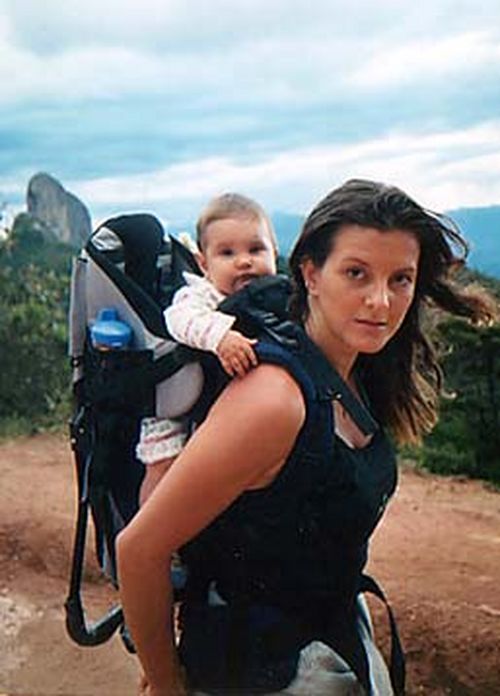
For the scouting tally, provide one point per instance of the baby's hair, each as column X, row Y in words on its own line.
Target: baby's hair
column 232, row 206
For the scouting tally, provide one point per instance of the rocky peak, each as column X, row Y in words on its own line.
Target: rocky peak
column 60, row 212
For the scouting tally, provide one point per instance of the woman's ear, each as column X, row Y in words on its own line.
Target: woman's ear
column 310, row 276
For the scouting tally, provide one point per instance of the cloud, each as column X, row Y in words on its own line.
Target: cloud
column 428, row 59
column 165, row 102
column 105, row 73
column 274, row 70
column 52, row 26
column 94, row 71
column 443, row 170
column 201, row 52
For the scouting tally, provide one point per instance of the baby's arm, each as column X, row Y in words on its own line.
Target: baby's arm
column 236, row 353
column 193, row 319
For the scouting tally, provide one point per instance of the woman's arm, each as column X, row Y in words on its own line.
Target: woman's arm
column 242, row 444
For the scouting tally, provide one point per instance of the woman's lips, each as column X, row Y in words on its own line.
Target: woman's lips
column 371, row 324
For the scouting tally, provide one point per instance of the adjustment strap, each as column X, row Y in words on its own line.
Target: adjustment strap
column 397, row 669
column 330, row 385
column 360, row 415
column 166, row 366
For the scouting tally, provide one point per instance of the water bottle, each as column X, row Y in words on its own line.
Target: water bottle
column 109, row 332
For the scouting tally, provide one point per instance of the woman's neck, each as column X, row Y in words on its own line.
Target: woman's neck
column 335, row 351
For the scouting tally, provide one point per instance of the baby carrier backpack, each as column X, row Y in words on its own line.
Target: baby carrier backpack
column 127, row 272
column 124, row 278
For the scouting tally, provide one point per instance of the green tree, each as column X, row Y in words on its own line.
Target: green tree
column 35, row 376
column 31, row 242
column 467, row 438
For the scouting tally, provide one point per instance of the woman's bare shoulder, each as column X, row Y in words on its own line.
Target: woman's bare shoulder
column 266, row 392
column 256, row 421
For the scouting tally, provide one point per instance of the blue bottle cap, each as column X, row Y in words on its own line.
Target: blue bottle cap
column 108, row 331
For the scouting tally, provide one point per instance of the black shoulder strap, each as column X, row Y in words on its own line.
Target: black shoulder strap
column 267, row 292
column 261, row 309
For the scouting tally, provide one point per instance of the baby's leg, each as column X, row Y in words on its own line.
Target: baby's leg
column 153, row 475
column 160, row 442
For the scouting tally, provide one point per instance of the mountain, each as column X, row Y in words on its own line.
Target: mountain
column 481, row 228
column 287, row 227
column 57, row 210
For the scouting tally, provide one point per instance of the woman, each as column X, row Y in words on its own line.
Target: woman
column 274, row 528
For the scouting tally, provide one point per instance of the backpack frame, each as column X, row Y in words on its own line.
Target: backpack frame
column 129, row 265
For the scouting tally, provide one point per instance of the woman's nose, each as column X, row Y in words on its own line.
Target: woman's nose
column 378, row 295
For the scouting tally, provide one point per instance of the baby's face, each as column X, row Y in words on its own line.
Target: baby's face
column 237, row 250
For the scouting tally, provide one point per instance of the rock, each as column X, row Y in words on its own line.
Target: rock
column 61, row 212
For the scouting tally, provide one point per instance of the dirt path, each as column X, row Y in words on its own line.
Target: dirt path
column 437, row 555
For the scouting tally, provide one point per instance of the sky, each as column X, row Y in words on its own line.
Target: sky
column 158, row 105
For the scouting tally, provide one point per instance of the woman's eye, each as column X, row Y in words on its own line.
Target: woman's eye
column 355, row 273
column 403, row 279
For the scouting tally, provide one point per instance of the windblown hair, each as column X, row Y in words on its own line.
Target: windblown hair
column 232, row 206
column 402, row 381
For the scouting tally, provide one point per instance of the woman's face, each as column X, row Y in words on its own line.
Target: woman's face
column 359, row 298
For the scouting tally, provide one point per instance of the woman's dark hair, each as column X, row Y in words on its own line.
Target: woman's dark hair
column 403, row 380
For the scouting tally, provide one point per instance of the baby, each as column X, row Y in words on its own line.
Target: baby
column 236, row 243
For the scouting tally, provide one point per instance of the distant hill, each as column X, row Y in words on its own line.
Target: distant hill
column 287, row 226
column 480, row 226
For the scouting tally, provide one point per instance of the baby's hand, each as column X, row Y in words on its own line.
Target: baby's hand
column 236, row 353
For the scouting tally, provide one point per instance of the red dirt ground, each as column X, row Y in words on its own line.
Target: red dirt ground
column 437, row 555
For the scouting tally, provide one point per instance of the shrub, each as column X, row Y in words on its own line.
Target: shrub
column 35, row 376
column 467, row 438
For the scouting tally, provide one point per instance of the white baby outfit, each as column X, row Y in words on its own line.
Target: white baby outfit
column 192, row 319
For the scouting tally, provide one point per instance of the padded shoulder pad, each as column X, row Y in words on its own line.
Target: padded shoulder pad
column 261, row 309
column 276, row 354
column 267, row 292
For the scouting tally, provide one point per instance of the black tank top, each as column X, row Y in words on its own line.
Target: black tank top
column 300, row 544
